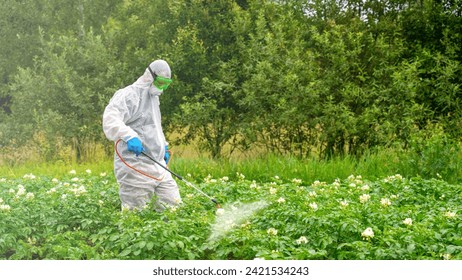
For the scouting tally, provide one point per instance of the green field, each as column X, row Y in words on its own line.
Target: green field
column 73, row 212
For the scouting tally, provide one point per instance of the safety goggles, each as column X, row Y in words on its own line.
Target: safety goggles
column 160, row 82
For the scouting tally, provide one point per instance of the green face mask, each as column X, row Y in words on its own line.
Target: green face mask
column 162, row 83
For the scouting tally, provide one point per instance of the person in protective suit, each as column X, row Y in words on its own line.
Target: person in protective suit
column 132, row 119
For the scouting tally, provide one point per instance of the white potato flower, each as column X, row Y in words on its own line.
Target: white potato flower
column 297, row 181
column 446, row 256
column 450, row 214
column 367, row 234
column 407, row 221
column 318, row 183
column 272, row 231
column 5, row 207
column 336, row 183
column 29, row 176
column 246, row 224
column 364, row 198
column 385, row 202
column 21, row 191
column 209, row 179
column 302, row 240
column 365, row 187
column 344, row 203
column 396, row 177
column 240, row 176
column 30, row 195
column 78, row 191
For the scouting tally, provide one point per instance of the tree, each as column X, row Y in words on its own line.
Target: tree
column 277, row 97
column 59, row 101
column 209, row 64
column 21, row 40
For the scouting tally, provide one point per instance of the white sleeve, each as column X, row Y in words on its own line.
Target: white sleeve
column 119, row 110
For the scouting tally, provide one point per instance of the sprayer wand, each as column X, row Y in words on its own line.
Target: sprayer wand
column 182, row 179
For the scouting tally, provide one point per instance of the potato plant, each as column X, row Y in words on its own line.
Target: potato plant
column 78, row 216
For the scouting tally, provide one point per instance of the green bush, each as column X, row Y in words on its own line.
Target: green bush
column 433, row 154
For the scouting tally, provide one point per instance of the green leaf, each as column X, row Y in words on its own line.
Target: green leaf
column 142, row 244
column 125, row 252
column 411, row 247
column 114, row 237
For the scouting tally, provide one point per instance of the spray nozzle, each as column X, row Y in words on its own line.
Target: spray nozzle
column 216, row 202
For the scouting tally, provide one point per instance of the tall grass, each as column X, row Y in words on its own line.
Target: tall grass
column 265, row 167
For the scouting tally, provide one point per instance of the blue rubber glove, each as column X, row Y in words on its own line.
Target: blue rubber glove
column 134, row 145
column 167, row 155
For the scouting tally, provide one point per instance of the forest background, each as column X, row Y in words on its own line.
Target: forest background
column 302, row 79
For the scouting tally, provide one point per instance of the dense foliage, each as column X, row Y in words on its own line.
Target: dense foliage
column 77, row 216
column 307, row 78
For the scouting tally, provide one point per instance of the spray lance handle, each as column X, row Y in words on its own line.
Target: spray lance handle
column 161, row 165
column 182, row 179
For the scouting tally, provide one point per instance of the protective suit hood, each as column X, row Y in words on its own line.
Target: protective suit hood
column 159, row 67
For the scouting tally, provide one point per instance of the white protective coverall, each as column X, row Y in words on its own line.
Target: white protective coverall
column 134, row 112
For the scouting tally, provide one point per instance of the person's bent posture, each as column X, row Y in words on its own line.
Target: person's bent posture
column 132, row 119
